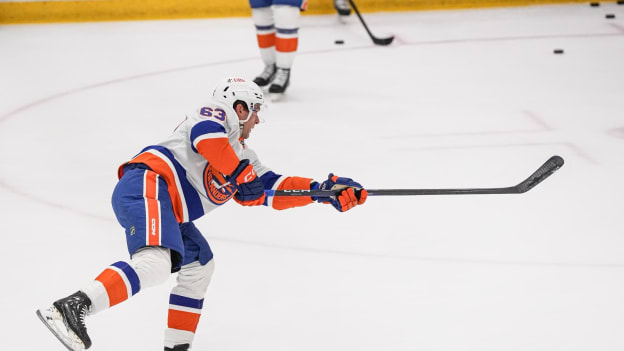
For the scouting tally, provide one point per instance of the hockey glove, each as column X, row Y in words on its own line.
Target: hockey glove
column 250, row 189
column 350, row 195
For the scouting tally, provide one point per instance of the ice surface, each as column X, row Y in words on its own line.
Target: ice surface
column 460, row 99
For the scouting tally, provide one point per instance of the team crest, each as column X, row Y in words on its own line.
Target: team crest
column 217, row 188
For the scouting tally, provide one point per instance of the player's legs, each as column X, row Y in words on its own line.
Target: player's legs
column 287, row 17
column 149, row 266
column 143, row 207
column 262, row 16
column 187, row 297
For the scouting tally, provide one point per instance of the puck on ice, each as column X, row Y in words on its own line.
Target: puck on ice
column 620, row 2
column 610, row 16
column 338, row 41
column 594, row 4
column 558, row 51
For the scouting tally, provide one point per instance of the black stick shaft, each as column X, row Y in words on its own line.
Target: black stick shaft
column 377, row 41
column 543, row 172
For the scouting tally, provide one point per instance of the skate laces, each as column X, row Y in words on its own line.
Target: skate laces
column 281, row 77
column 268, row 72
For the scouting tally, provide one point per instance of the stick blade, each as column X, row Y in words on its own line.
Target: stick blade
column 548, row 168
column 383, row 41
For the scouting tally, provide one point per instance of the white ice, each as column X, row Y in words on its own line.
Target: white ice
column 471, row 98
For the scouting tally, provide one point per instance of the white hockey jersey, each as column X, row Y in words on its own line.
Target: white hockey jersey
column 196, row 158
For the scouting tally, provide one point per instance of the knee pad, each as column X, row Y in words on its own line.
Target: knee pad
column 262, row 17
column 152, row 264
column 193, row 279
column 286, row 17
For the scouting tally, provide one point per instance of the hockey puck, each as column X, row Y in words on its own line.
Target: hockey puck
column 338, row 41
column 558, row 51
column 594, row 4
column 620, row 2
column 610, row 16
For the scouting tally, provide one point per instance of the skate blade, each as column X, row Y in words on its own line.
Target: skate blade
column 275, row 97
column 51, row 324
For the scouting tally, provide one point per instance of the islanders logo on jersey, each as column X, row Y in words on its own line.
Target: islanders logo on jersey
column 217, row 187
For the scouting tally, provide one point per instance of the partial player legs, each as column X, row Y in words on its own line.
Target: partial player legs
column 286, row 43
column 185, row 304
column 66, row 317
column 265, row 32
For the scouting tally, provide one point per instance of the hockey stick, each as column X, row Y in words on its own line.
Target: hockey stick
column 377, row 41
column 549, row 167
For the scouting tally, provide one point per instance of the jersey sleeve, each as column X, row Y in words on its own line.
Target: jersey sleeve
column 210, row 139
column 274, row 181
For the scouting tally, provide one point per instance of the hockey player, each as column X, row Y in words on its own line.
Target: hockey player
column 167, row 186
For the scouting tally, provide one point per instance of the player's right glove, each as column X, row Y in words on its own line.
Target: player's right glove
column 250, row 189
column 350, row 193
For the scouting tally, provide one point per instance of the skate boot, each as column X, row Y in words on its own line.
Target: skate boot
column 342, row 7
column 65, row 319
column 183, row 347
column 280, row 82
column 266, row 76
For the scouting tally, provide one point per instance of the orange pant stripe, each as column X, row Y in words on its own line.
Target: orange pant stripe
column 159, row 166
column 152, row 208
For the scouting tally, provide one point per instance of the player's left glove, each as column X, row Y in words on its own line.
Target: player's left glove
column 350, row 195
column 250, row 187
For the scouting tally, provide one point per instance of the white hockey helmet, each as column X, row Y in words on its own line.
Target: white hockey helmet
column 233, row 89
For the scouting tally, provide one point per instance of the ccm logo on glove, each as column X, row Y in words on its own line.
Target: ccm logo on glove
column 250, row 189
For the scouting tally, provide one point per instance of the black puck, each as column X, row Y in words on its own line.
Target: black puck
column 610, row 16
column 338, row 41
column 620, row 2
column 594, row 4
column 558, row 51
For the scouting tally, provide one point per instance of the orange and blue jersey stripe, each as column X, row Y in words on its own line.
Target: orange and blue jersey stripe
column 185, row 199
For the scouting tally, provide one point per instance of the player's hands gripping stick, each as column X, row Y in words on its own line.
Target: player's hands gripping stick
column 350, row 195
column 250, row 190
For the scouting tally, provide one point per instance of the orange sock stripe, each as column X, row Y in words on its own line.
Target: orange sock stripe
column 284, row 202
column 266, row 40
column 286, row 44
column 114, row 285
column 182, row 320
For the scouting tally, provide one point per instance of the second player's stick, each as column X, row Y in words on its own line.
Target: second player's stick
column 549, row 167
column 377, row 41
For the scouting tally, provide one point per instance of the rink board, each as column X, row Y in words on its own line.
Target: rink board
column 128, row 10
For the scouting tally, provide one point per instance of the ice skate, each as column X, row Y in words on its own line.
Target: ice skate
column 342, row 7
column 266, row 76
column 183, row 347
column 65, row 319
column 280, row 82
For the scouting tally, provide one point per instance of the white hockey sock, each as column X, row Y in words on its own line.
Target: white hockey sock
column 186, row 302
column 287, row 34
column 265, row 31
